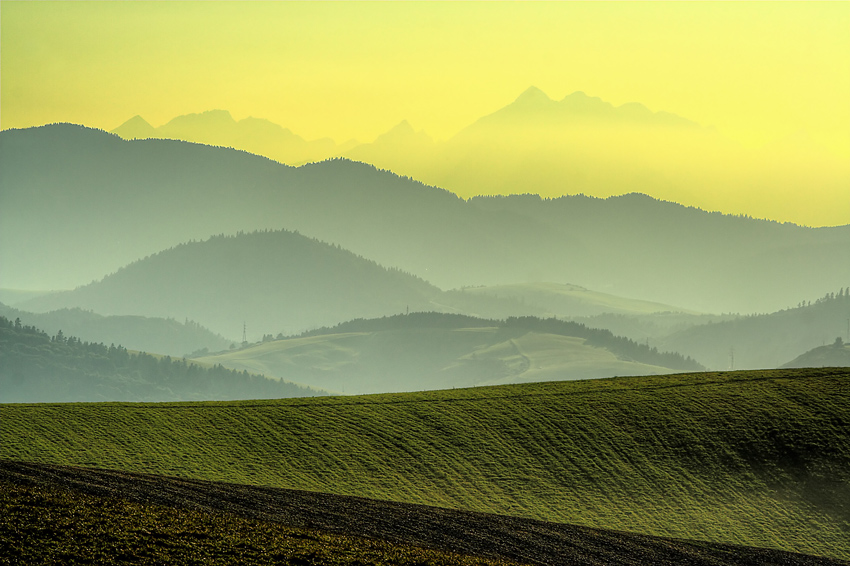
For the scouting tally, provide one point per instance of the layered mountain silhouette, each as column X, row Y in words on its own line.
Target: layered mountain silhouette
column 157, row 335
column 256, row 135
column 767, row 340
column 274, row 281
column 78, row 203
column 580, row 144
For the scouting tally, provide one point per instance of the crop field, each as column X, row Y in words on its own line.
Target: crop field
column 64, row 513
column 757, row 458
column 49, row 525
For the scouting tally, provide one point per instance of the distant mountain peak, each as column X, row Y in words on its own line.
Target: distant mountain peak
column 404, row 133
column 218, row 117
column 532, row 95
column 136, row 121
column 581, row 102
column 403, row 126
column 134, row 128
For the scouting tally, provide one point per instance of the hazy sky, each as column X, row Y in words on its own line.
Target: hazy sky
column 757, row 71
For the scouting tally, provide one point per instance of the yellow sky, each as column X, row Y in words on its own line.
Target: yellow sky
column 757, row 71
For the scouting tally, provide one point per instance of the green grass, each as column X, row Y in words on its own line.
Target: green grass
column 428, row 358
column 52, row 526
column 753, row 458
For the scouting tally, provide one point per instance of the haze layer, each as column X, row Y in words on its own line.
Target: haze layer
column 758, row 72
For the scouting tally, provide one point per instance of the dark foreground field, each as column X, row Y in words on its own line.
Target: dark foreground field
column 70, row 515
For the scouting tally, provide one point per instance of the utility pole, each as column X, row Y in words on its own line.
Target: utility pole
column 731, row 358
column 244, row 333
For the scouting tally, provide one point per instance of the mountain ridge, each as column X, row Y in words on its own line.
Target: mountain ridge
column 157, row 193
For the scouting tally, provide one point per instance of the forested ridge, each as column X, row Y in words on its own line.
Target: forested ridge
column 36, row 367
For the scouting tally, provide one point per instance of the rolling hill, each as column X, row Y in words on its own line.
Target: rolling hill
column 161, row 335
column 271, row 281
column 754, row 458
column 67, row 186
column 422, row 351
column 835, row 355
column 38, row 368
column 112, row 516
column 765, row 341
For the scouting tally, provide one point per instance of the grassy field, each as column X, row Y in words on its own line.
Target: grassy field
column 428, row 358
column 754, row 458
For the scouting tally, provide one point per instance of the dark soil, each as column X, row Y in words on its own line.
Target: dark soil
column 447, row 530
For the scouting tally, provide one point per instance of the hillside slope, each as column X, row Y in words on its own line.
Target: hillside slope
column 423, row 351
column 767, row 340
column 835, row 355
column 271, row 281
column 67, row 186
column 174, row 520
column 755, row 458
column 160, row 335
column 37, row 368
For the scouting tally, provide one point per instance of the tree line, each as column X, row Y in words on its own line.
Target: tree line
column 36, row 367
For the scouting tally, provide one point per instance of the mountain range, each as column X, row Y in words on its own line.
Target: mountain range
column 78, row 203
column 579, row 144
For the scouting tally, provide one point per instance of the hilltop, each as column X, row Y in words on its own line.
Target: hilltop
column 753, row 458
column 69, row 185
column 272, row 279
column 422, row 351
column 835, row 355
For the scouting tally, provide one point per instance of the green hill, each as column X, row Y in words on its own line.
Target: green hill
column 272, row 281
column 440, row 351
column 835, row 355
column 767, row 340
column 160, row 335
column 37, row 368
column 755, row 458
